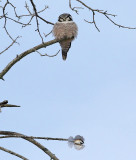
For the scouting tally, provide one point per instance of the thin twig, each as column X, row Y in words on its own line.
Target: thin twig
column 27, row 7
column 96, row 10
column 36, row 16
column 13, row 153
column 47, row 54
column 10, row 45
column 22, row 55
column 31, row 14
column 105, row 13
column 18, row 17
column 31, row 140
column 46, row 35
column 45, row 20
column 120, row 26
column 5, row 18
column 74, row 8
column 45, row 138
column 8, row 105
column 95, row 22
column 23, row 24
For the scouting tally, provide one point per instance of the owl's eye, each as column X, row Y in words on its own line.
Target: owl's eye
column 61, row 20
column 69, row 18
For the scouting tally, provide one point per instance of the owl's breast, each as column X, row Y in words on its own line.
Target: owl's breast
column 65, row 29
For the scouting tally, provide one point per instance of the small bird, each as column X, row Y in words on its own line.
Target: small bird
column 65, row 28
column 77, row 142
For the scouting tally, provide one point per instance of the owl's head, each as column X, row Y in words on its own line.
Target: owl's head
column 65, row 17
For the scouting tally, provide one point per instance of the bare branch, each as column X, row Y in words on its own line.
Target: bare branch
column 23, row 24
column 95, row 22
column 36, row 15
column 18, row 17
column 7, row 30
column 45, row 20
column 31, row 140
column 30, row 14
column 13, row 153
column 47, row 54
column 44, row 138
column 5, row 18
column 8, row 105
column 96, row 10
column 9, row 45
column 105, row 13
column 27, row 7
column 74, row 8
column 120, row 26
column 46, row 35
column 22, row 55
column 5, row 104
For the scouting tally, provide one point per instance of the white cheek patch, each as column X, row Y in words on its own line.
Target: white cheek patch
column 61, row 19
column 69, row 18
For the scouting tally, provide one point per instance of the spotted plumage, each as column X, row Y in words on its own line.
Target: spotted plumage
column 65, row 28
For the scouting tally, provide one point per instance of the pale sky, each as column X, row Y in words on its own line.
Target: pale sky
column 92, row 93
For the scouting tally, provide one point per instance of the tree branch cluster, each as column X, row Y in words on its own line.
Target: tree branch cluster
column 31, row 139
column 35, row 14
column 22, row 55
column 94, row 11
column 19, row 19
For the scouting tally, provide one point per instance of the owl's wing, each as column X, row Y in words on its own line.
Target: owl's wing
column 58, row 31
column 70, row 141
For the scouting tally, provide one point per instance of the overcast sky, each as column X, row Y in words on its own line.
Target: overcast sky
column 92, row 93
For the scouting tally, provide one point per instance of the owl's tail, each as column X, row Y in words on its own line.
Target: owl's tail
column 64, row 55
column 65, row 45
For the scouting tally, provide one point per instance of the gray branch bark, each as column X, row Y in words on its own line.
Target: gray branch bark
column 13, row 153
column 22, row 55
column 5, row 104
column 45, row 138
column 31, row 140
column 8, row 105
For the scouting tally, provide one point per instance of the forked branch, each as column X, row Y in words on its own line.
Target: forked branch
column 14, row 41
column 105, row 13
column 31, row 140
column 45, row 138
column 13, row 153
column 5, row 104
column 17, row 18
column 22, row 55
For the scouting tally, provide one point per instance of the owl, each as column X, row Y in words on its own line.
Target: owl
column 66, row 29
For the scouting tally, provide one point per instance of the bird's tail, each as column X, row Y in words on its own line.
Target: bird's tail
column 65, row 45
column 64, row 55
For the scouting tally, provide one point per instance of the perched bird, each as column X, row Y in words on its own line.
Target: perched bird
column 77, row 142
column 65, row 28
